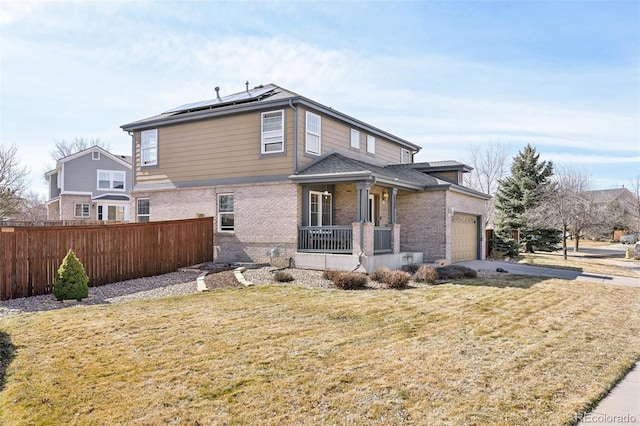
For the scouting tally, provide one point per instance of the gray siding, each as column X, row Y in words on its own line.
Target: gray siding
column 54, row 191
column 80, row 174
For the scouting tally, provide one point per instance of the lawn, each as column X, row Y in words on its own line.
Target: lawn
column 513, row 351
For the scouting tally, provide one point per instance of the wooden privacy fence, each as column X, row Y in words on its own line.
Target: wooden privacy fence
column 31, row 256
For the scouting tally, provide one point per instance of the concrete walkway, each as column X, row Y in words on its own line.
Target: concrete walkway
column 622, row 405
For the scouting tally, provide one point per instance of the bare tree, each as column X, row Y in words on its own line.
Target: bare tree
column 12, row 181
column 489, row 162
column 64, row 148
column 33, row 207
column 567, row 206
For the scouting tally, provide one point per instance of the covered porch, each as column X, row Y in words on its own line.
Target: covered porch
column 348, row 222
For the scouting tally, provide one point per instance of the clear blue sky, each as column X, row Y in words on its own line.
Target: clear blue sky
column 562, row 76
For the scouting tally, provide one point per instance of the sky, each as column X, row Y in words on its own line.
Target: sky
column 563, row 76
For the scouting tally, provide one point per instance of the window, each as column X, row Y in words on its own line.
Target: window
column 313, row 133
column 143, row 210
column 371, row 144
column 82, row 210
column 272, row 132
column 355, row 139
column 225, row 213
column 95, row 155
column 111, row 180
column 405, row 155
column 149, row 147
column 320, row 208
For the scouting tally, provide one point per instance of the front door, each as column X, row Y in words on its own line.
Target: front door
column 373, row 212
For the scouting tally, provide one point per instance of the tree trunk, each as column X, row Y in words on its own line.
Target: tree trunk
column 576, row 245
column 564, row 241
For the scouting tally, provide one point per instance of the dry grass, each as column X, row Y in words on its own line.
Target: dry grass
column 515, row 350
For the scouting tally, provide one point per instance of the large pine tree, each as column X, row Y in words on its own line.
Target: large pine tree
column 517, row 195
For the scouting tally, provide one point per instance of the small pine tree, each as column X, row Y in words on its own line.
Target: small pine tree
column 71, row 281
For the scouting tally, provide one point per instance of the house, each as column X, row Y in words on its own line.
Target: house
column 92, row 184
column 291, row 180
column 621, row 209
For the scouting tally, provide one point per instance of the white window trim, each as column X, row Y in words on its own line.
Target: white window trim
column 111, row 180
column 233, row 212
column 148, row 148
column 263, row 136
column 84, row 216
column 321, row 195
column 309, row 132
column 402, row 154
column 95, row 155
column 371, row 144
column 355, row 137
column 105, row 210
column 138, row 214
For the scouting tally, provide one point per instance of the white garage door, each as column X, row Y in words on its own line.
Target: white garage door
column 464, row 230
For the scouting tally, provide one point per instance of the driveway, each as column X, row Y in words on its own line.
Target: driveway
column 566, row 274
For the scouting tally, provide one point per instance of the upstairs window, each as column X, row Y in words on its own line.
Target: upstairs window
column 272, row 129
column 149, row 147
column 355, row 139
column 405, row 155
column 95, row 155
column 143, row 210
column 111, row 180
column 225, row 213
column 371, row 144
column 312, row 137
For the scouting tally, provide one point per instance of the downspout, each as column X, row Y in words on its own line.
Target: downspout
column 295, row 137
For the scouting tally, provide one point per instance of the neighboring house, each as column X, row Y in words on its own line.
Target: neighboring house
column 92, row 184
column 288, row 178
column 621, row 207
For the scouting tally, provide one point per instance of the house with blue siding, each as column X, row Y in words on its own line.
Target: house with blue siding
column 92, row 184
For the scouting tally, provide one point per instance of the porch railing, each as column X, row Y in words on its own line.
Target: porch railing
column 325, row 239
column 382, row 240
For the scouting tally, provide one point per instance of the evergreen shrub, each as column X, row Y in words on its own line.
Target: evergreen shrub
column 71, row 281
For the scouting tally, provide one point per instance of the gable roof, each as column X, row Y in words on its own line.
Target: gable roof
column 608, row 195
column 258, row 98
column 336, row 167
column 124, row 160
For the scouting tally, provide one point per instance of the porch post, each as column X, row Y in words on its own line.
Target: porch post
column 362, row 243
column 392, row 205
column 395, row 238
column 363, row 200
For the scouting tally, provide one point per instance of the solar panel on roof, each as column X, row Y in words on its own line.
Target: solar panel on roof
column 224, row 100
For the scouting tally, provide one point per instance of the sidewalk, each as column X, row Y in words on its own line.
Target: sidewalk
column 622, row 405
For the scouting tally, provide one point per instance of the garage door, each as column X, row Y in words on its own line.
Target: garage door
column 464, row 229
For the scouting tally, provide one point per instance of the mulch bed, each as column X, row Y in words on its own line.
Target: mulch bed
column 221, row 280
